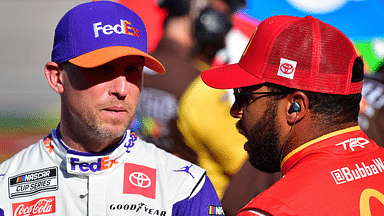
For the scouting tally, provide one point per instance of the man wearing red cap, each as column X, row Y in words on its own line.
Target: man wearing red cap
column 298, row 88
column 92, row 164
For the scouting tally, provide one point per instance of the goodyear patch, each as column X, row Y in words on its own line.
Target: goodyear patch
column 30, row 183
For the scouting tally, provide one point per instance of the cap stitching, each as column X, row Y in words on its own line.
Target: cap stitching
column 70, row 19
column 316, row 53
column 271, row 43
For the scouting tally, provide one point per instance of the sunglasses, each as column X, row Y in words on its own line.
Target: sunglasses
column 242, row 98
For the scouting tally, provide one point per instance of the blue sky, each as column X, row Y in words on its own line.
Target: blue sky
column 361, row 20
column 357, row 19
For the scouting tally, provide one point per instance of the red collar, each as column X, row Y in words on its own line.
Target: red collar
column 336, row 142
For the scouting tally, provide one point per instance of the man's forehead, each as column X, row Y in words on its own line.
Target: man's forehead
column 253, row 88
column 129, row 60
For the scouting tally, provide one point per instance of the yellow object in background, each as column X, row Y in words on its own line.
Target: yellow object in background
column 208, row 128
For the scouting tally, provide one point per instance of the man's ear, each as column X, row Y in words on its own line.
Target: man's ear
column 54, row 77
column 297, row 108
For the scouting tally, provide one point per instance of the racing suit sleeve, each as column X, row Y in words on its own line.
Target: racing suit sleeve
column 203, row 201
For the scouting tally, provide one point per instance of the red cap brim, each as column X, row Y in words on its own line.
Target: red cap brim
column 228, row 77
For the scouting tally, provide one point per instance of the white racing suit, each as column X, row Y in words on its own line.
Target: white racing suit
column 134, row 178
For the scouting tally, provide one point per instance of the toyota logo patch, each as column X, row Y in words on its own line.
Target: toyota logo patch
column 287, row 68
column 140, row 180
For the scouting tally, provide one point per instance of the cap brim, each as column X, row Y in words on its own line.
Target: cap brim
column 228, row 77
column 101, row 56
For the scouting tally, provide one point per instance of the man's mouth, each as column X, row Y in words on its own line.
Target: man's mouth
column 240, row 129
column 116, row 109
column 246, row 147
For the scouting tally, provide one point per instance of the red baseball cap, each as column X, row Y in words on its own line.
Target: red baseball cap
column 300, row 53
column 153, row 17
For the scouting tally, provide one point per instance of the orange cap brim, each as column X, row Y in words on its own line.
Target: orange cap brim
column 104, row 55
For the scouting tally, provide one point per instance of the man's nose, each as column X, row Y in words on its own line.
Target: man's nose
column 235, row 112
column 119, row 86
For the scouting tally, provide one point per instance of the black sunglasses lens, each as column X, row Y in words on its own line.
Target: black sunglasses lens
column 241, row 100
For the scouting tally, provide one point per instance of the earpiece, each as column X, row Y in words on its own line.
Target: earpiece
column 295, row 107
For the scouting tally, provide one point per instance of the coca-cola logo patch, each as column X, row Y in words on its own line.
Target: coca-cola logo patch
column 139, row 180
column 45, row 205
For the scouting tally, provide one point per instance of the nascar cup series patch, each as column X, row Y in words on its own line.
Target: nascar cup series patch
column 30, row 183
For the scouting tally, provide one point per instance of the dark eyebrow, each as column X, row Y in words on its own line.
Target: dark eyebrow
column 138, row 64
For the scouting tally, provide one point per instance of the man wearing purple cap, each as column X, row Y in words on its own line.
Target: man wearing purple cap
column 91, row 164
column 298, row 88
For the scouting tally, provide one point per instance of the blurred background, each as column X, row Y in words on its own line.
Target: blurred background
column 187, row 36
column 28, row 107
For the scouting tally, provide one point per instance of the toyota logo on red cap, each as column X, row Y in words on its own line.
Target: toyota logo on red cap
column 286, row 68
column 140, row 180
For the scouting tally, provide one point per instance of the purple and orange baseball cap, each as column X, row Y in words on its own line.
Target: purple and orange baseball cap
column 300, row 53
column 94, row 33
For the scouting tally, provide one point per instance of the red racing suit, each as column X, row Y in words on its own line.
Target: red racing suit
column 340, row 173
column 134, row 178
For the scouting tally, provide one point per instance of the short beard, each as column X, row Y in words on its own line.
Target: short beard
column 96, row 129
column 104, row 133
column 264, row 144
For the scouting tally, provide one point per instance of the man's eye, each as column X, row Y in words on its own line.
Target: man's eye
column 244, row 99
column 103, row 70
column 134, row 69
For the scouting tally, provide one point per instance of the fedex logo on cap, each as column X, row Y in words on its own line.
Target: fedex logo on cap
column 99, row 165
column 123, row 28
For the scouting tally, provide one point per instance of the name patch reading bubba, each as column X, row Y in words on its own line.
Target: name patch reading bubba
column 29, row 183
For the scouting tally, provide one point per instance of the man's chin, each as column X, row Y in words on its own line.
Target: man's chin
column 111, row 132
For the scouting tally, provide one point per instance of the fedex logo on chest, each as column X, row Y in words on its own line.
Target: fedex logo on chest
column 124, row 27
column 95, row 166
